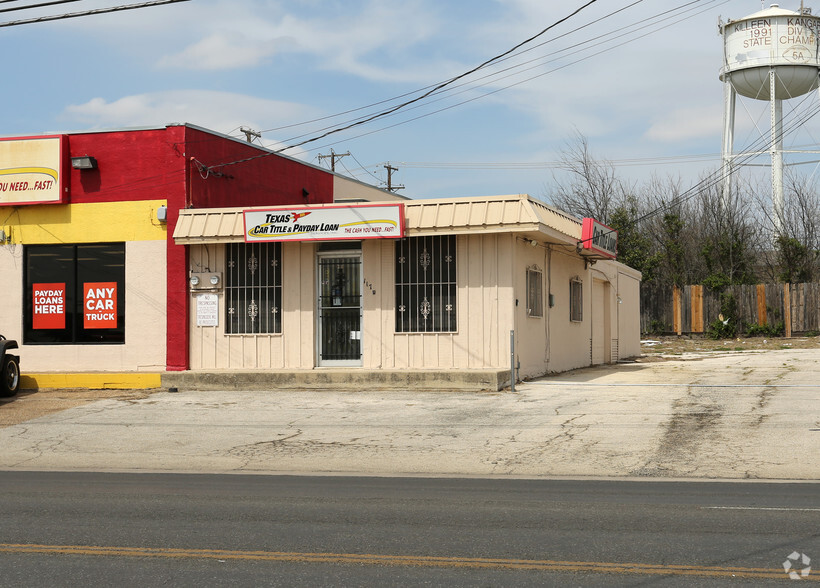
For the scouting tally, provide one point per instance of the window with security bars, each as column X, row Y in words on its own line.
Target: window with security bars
column 253, row 288
column 426, row 284
column 576, row 300
column 535, row 297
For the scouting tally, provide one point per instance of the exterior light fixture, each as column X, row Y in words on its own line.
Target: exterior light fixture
column 84, row 162
column 162, row 214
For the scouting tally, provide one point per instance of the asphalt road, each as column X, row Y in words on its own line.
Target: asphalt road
column 81, row 529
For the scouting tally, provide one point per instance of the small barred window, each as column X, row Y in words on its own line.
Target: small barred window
column 535, row 296
column 576, row 300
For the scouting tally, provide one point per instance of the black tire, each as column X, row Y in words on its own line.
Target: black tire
column 10, row 376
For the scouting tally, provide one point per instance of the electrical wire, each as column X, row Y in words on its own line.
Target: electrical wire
column 89, row 12
column 742, row 160
column 431, row 91
column 41, row 5
column 518, row 83
column 660, row 17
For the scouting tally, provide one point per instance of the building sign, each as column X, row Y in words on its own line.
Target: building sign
column 100, row 305
column 49, row 306
column 328, row 223
column 31, row 171
column 599, row 238
column 207, row 310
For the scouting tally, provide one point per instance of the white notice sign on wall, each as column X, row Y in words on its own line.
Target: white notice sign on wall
column 207, row 310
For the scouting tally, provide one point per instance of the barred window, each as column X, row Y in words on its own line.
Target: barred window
column 426, row 284
column 253, row 288
column 576, row 300
column 535, row 297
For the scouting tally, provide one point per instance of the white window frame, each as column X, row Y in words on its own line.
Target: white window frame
column 535, row 293
column 576, row 300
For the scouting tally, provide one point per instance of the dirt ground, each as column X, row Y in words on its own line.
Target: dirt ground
column 671, row 347
column 32, row 404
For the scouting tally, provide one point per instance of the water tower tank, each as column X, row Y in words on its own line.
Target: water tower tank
column 776, row 38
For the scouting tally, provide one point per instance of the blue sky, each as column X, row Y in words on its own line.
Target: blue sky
column 267, row 64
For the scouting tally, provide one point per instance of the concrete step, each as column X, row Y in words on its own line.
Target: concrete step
column 338, row 379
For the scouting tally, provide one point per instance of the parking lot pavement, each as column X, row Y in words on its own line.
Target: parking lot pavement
column 707, row 415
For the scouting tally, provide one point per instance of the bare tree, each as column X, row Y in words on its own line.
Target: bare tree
column 592, row 189
column 794, row 254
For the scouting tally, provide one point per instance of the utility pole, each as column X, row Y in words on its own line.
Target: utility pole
column 333, row 156
column 390, row 187
column 250, row 134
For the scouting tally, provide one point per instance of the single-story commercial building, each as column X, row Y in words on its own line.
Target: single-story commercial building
column 174, row 252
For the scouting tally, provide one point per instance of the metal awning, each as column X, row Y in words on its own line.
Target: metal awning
column 517, row 213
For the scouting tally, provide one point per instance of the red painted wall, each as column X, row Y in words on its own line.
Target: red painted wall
column 131, row 165
column 167, row 164
column 260, row 181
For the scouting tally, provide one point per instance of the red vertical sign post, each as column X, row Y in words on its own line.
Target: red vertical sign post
column 100, row 305
column 49, row 306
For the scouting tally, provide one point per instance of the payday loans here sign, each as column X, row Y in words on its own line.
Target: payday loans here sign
column 49, row 306
column 328, row 223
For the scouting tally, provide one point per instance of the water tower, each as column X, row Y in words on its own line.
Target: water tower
column 770, row 55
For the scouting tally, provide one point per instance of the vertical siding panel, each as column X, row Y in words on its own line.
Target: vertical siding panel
column 430, row 350
column 445, row 350
column 387, row 297
column 416, row 359
column 371, row 308
column 291, row 314
column 461, row 352
column 475, row 299
column 308, row 305
column 489, row 290
column 509, row 270
column 402, row 349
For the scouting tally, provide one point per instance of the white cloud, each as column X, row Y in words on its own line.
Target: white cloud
column 684, row 124
column 220, row 111
column 368, row 39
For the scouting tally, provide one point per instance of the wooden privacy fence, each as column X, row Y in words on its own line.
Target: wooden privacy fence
column 691, row 309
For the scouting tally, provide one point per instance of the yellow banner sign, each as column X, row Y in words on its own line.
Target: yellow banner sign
column 31, row 171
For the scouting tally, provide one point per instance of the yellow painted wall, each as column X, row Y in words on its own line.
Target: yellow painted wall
column 92, row 222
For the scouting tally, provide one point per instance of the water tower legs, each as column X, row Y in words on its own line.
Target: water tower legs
column 729, row 100
column 777, row 156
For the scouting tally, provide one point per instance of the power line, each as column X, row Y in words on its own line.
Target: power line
column 742, row 160
column 41, row 5
column 429, row 92
column 645, row 23
column 89, row 12
column 490, row 93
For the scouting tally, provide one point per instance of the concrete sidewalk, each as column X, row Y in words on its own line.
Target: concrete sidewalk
column 712, row 415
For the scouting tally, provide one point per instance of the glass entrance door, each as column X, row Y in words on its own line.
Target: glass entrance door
column 340, row 309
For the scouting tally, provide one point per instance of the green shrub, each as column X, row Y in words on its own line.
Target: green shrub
column 775, row 330
column 725, row 327
column 658, row 327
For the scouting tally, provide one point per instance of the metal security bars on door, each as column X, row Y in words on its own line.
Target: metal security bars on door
column 426, row 284
column 340, row 308
column 253, row 288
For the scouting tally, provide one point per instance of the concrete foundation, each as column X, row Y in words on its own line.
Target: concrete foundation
column 339, row 379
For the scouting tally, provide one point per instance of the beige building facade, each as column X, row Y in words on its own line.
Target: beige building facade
column 474, row 284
